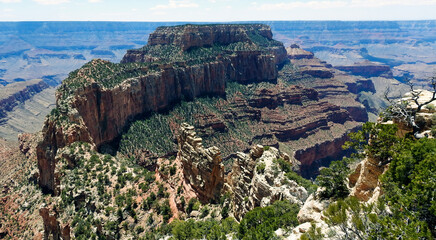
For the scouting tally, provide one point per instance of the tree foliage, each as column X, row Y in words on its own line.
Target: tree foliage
column 333, row 180
column 260, row 223
column 407, row 210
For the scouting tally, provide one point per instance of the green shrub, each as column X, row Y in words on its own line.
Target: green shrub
column 260, row 168
column 260, row 223
column 193, row 205
column 333, row 180
column 307, row 184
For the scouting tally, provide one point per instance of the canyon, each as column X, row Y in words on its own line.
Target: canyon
column 49, row 50
column 203, row 122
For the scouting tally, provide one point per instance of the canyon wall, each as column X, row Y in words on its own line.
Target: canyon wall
column 16, row 93
column 88, row 111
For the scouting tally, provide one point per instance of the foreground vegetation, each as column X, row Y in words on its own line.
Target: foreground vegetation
column 407, row 209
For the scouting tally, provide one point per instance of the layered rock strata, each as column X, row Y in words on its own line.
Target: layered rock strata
column 202, row 167
column 16, row 93
column 367, row 69
column 97, row 101
column 333, row 85
column 189, row 36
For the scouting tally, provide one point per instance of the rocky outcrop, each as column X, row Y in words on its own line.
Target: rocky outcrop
column 256, row 180
column 52, row 228
column 295, row 52
column 56, row 135
column 202, row 167
column 16, row 93
column 367, row 69
column 272, row 98
column 364, row 181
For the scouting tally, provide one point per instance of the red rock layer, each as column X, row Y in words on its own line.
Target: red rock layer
column 333, row 86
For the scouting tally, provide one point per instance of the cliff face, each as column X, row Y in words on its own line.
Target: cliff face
column 367, row 69
column 333, row 86
column 255, row 183
column 188, row 36
column 16, row 93
column 97, row 101
column 106, row 111
column 201, row 167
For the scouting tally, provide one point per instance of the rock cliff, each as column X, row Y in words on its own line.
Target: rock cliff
column 16, row 93
column 257, row 181
column 202, row 167
column 190, row 36
column 334, row 86
column 367, row 69
column 96, row 102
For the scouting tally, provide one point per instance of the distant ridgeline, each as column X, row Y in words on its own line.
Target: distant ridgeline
column 97, row 101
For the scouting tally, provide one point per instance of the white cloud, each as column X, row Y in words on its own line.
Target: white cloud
column 10, row 1
column 310, row 4
column 94, row 1
column 382, row 3
column 51, row 2
column 176, row 4
column 318, row 4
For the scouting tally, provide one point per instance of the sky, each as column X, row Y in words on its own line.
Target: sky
column 215, row 10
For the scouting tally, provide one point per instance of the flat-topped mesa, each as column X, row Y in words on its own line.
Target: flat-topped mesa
column 189, row 36
column 246, row 52
column 97, row 101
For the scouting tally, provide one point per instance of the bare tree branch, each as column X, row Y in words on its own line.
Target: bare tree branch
column 400, row 108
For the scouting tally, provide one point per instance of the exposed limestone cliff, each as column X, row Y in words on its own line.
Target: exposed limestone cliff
column 256, row 180
column 201, row 167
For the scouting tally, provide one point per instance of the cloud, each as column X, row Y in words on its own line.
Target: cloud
column 51, row 2
column 94, row 1
column 318, row 4
column 310, row 4
column 172, row 4
column 10, row 1
column 382, row 3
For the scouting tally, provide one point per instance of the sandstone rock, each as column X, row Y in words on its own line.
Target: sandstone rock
column 201, row 167
column 52, row 228
column 253, row 188
column 189, row 36
column 96, row 114
column 312, row 210
column 295, row 52
column 364, row 180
